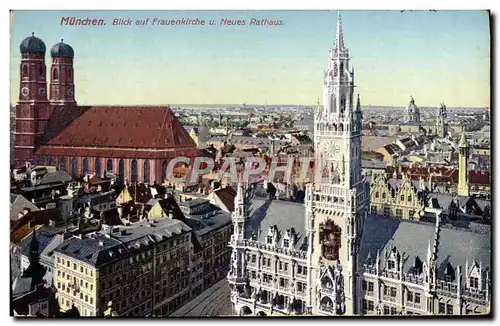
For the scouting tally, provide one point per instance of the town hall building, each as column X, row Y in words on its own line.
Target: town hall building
column 330, row 256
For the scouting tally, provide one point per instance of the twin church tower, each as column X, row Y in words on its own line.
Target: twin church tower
column 36, row 101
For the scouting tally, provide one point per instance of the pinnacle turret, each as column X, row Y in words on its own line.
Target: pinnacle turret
column 339, row 38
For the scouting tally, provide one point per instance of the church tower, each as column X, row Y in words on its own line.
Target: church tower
column 441, row 123
column 62, row 86
column 463, row 170
column 32, row 110
column 337, row 201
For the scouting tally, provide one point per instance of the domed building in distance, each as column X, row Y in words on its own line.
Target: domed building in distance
column 135, row 143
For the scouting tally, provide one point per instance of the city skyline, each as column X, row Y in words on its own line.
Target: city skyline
column 268, row 65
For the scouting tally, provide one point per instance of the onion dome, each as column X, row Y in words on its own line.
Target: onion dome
column 62, row 50
column 32, row 44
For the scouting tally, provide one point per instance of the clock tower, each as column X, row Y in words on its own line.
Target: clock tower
column 337, row 201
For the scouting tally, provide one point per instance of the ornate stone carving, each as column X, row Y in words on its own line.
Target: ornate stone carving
column 330, row 237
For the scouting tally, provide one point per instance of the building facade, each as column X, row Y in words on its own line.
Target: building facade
column 330, row 256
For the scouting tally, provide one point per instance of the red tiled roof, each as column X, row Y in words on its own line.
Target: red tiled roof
column 142, row 132
column 226, row 196
column 20, row 228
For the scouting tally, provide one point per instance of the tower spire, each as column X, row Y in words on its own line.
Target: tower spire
column 339, row 38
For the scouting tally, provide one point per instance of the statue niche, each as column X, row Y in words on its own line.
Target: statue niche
column 330, row 237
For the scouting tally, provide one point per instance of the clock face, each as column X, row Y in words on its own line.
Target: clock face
column 331, row 148
column 70, row 92
column 25, row 91
column 41, row 91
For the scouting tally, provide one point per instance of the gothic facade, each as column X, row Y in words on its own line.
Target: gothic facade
column 329, row 256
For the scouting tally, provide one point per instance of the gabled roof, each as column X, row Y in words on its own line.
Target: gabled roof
column 57, row 176
column 140, row 132
column 226, row 196
column 19, row 204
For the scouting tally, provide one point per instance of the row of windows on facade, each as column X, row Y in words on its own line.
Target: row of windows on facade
column 41, row 73
column 283, row 282
column 402, row 197
column 85, row 284
column 69, row 289
column 252, row 259
column 109, row 167
column 75, row 266
column 398, row 211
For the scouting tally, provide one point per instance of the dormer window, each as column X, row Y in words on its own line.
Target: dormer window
column 418, row 266
column 269, row 239
column 286, row 243
column 473, row 282
column 449, row 273
column 391, row 264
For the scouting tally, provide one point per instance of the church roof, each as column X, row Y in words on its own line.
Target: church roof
column 125, row 132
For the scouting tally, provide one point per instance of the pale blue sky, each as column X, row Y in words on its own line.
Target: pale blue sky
column 434, row 56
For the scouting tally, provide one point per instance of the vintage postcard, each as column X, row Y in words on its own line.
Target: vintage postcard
column 250, row 163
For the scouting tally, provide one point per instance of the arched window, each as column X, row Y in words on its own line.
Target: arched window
column 342, row 103
column 62, row 163
column 55, row 74
column 97, row 166
column 41, row 71
column 25, row 71
column 69, row 74
column 133, row 171
column 85, row 166
column 74, row 167
column 109, row 166
column 164, row 171
column 146, row 171
column 341, row 69
column 121, row 170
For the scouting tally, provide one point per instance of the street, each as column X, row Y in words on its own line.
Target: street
column 215, row 301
